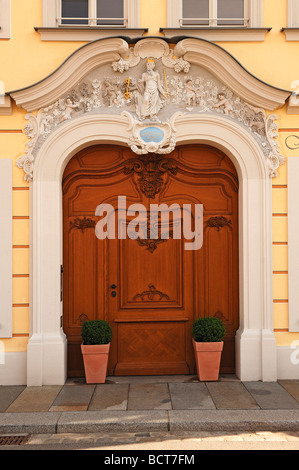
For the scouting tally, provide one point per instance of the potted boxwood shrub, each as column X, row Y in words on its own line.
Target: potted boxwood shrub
column 208, row 334
column 96, row 338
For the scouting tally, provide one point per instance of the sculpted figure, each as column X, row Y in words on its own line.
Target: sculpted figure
column 110, row 91
column 224, row 103
column 150, row 90
column 190, row 91
column 69, row 107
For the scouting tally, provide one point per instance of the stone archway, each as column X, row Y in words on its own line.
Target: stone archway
column 255, row 342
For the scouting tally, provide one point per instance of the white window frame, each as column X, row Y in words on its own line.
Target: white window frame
column 292, row 29
column 52, row 11
column 253, row 12
column 5, row 19
column 293, row 14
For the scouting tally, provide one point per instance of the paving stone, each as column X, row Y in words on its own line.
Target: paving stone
column 231, row 396
column 292, row 387
column 149, row 397
column 112, row 421
column 234, row 420
column 35, row 399
column 8, row 394
column 191, row 396
column 28, row 423
column 110, row 397
column 271, row 396
column 73, row 398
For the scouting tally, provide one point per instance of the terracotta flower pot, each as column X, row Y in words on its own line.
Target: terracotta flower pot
column 95, row 360
column 208, row 357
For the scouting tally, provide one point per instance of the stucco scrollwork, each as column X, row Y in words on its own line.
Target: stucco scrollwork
column 150, row 92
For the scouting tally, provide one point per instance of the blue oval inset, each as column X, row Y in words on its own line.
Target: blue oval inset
column 152, row 134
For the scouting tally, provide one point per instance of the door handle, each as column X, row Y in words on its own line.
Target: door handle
column 113, row 286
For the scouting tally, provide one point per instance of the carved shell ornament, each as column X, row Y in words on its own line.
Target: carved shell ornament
column 150, row 93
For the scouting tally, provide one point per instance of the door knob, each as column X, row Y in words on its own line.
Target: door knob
column 113, row 286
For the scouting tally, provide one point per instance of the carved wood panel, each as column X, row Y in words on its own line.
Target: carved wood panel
column 158, row 287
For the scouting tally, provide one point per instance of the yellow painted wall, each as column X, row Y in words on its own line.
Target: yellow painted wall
column 26, row 59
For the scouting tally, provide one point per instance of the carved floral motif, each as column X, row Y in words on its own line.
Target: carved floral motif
column 189, row 93
column 83, row 224
column 218, row 222
column 150, row 170
column 151, row 295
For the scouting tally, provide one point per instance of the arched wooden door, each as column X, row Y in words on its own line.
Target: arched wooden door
column 150, row 290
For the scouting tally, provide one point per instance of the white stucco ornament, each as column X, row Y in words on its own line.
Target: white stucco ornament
column 148, row 88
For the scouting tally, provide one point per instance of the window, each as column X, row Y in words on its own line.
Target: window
column 214, row 13
column 92, row 13
column 216, row 20
column 88, row 20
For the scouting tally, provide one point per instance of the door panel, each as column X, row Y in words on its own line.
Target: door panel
column 150, row 290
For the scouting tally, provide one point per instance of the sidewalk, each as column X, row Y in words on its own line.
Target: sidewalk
column 150, row 404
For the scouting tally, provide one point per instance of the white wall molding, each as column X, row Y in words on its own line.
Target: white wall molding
column 6, row 249
column 288, row 362
column 293, row 243
column 13, row 369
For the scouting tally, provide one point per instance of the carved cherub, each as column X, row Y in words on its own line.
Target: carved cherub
column 190, row 91
column 69, row 107
column 223, row 102
column 110, row 91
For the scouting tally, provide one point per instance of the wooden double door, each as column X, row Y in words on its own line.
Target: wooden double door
column 150, row 289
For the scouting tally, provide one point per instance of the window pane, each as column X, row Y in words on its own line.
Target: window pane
column 74, row 9
column 231, row 9
column 196, row 9
column 110, row 9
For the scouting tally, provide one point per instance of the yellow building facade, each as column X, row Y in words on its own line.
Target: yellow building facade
column 43, row 58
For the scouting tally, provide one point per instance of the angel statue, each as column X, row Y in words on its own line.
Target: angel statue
column 149, row 91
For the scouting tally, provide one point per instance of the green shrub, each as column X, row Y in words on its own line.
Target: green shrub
column 96, row 332
column 208, row 330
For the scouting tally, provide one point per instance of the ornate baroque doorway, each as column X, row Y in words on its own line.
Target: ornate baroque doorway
column 150, row 290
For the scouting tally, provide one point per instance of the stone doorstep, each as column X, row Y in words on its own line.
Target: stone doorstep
column 149, row 421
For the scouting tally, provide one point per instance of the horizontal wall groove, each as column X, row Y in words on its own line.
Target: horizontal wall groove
column 11, row 131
